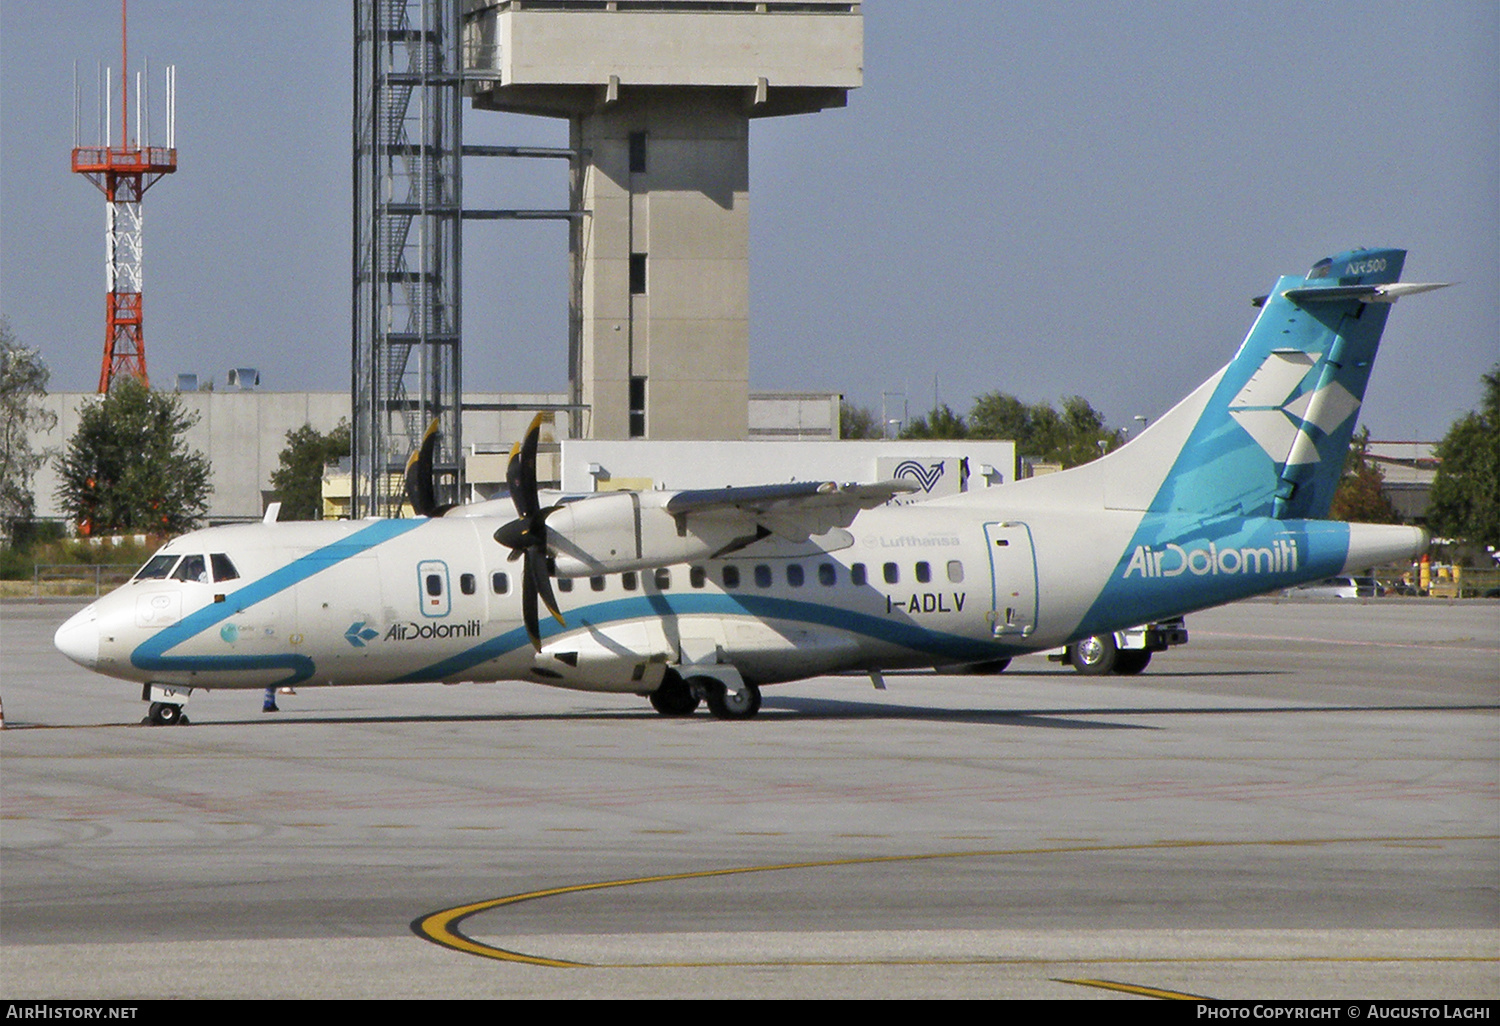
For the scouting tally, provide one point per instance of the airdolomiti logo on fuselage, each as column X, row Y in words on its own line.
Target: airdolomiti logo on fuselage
column 422, row 631
column 1172, row 560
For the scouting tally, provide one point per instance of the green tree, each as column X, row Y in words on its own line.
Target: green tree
column 940, row 423
column 1071, row 436
column 1466, row 492
column 857, row 422
column 1359, row 497
column 299, row 479
column 23, row 384
column 127, row 468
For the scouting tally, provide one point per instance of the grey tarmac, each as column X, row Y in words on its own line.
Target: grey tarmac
column 1303, row 802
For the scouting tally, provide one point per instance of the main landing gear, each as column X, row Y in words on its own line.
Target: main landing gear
column 679, row 696
column 1101, row 654
column 727, row 705
column 675, row 697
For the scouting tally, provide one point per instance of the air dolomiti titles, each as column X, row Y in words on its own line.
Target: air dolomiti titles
column 1172, row 560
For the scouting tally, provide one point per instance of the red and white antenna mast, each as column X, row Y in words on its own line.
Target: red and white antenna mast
column 124, row 173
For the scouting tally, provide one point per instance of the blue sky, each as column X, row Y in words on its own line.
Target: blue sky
column 1045, row 199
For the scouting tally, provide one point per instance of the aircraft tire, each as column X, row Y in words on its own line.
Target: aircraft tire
column 1132, row 661
column 675, row 697
column 165, row 714
column 1094, row 656
column 731, row 707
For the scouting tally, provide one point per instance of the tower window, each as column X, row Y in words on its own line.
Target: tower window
column 637, row 407
column 637, row 274
column 637, row 152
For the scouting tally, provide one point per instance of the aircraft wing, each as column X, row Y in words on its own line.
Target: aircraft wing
column 794, row 511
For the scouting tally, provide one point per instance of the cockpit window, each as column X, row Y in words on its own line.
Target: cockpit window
column 156, row 568
column 223, row 569
column 192, row 568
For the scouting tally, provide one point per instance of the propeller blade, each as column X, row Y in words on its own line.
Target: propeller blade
column 520, row 474
column 526, row 536
column 537, row 566
column 421, row 482
column 528, row 610
column 515, row 483
column 419, row 488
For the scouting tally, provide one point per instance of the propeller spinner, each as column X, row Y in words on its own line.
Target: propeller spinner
column 526, row 536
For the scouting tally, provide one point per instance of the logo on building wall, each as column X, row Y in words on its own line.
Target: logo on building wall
column 926, row 477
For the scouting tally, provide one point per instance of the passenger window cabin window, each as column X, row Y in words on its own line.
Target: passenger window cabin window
column 731, row 577
column 955, row 571
column 762, row 576
column 467, row 584
column 500, row 583
column 892, row 573
column 827, row 575
column 565, row 584
column 662, row 578
column 223, row 568
column 192, row 568
column 697, row 576
column 596, row 583
column 924, row 573
column 794, row 575
column 628, row 580
column 435, row 585
column 857, row 575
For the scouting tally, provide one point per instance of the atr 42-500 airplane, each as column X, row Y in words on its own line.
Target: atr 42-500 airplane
column 694, row 596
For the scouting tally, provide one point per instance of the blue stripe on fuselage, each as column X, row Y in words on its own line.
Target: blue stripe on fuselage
column 150, row 654
column 942, row 646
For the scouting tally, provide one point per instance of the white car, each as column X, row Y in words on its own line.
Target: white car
column 1337, row 587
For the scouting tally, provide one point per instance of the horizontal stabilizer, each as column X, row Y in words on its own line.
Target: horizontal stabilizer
column 1388, row 293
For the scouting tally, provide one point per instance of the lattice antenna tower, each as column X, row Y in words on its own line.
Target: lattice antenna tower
column 123, row 173
column 407, row 309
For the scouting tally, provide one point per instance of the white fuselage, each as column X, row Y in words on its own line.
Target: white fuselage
column 374, row 602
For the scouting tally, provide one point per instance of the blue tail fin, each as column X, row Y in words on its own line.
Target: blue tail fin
column 1272, row 437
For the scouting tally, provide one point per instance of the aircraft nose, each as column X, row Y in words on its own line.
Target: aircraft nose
column 78, row 638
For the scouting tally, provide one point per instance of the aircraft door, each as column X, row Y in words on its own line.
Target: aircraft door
column 1013, row 595
column 433, row 587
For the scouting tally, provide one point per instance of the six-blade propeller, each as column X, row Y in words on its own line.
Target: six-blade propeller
column 526, row 536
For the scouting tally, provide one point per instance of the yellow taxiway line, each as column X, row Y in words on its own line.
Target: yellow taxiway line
column 443, row 927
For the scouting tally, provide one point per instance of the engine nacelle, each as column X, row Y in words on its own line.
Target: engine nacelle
column 617, row 531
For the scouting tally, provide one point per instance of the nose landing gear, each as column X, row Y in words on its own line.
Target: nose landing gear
column 166, row 704
column 165, row 714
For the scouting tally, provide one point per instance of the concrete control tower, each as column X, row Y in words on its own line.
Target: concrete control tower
column 660, row 97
